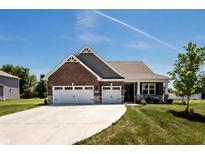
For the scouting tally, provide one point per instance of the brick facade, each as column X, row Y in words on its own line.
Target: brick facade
column 71, row 72
column 75, row 73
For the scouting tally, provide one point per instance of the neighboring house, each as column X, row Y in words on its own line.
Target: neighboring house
column 87, row 78
column 194, row 97
column 9, row 86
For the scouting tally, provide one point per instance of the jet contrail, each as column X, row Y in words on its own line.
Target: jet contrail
column 136, row 29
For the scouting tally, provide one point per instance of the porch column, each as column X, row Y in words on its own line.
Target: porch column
column 166, row 93
column 138, row 90
column 166, row 88
column 134, row 91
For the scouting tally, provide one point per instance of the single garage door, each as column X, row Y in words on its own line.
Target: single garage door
column 111, row 94
column 73, row 94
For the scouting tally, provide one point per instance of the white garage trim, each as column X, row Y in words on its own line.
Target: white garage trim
column 73, row 94
column 111, row 94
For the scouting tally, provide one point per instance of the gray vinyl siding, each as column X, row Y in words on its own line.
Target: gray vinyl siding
column 11, row 88
column 11, row 93
column 99, row 67
column 1, row 93
column 9, row 82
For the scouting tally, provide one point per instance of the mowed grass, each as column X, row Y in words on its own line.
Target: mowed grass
column 12, row 106
column 155, row 124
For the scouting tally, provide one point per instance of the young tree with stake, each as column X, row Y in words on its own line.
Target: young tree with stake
column 186, row 75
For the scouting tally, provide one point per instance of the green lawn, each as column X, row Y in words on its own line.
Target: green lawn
column 12, row 106
column 155, row 124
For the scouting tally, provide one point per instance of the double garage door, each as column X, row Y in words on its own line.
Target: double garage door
column 73, row 94
column 85, row 94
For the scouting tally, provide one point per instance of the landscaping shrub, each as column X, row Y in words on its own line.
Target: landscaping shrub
column 169, row 101
column 143, row 102
column 45, row 101
column 148, row 100
column 156, row 100
column 152, row 100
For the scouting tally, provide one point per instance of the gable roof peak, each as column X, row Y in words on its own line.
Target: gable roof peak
column 70, row 58
column 86, row 45
column 85, row 49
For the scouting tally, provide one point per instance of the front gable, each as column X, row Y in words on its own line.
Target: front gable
column 97, row 64
column 71, row 72
column 69, row 67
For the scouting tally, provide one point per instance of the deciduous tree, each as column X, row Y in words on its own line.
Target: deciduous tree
column 186, row 75
column 40, row 90
column 27, row 81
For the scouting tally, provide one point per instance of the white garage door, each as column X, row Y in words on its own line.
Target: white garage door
column 73, row 94
column 111, row 94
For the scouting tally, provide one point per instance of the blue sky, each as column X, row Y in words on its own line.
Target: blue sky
column 40, row 39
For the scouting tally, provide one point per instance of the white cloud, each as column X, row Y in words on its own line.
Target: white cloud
column 88, row 37
column 138, row 45
column 86, row 24
column 85, row 19
column 136, row 30
column 9, row 38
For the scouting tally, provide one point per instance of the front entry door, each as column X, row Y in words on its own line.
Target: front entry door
column 129, row 92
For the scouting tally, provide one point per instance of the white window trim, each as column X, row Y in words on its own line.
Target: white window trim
column 148, row 93
column 83, row 87
column 111, row 87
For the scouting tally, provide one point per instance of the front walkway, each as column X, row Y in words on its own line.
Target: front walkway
column 57, row 124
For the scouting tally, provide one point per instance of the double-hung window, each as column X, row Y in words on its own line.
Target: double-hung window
column 145, row 88
column 148, row 88
column 152, row 88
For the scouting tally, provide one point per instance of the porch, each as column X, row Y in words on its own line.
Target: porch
column 135, row 91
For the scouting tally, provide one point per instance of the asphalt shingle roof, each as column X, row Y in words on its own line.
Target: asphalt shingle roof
column 135, row 70
column 2, row 73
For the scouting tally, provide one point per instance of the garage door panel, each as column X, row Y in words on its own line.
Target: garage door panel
column 111, row 94
column 73, row 94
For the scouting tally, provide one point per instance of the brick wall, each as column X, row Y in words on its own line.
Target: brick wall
column 71, row 72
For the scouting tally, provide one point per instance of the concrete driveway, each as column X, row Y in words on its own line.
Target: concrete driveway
column 57, row 124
